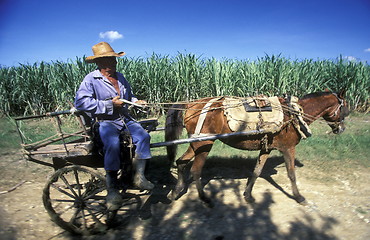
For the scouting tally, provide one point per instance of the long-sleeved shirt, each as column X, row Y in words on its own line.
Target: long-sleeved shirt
column 95, row 97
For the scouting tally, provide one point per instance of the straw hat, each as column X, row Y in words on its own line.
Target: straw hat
column 103, row 49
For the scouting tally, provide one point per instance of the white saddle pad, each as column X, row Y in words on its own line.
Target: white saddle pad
column 240, row 120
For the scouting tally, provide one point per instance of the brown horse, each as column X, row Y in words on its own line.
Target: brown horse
column 332, row 107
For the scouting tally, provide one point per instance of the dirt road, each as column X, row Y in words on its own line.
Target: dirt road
column 338, row 204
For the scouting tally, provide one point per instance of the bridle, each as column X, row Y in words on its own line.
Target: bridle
column 337, row 110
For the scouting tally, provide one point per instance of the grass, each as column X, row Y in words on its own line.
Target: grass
column 10, row 140
column 346, row 149
column 350, row 146
column 33, row 130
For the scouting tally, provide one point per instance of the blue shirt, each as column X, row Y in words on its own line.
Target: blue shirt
column 95, row 97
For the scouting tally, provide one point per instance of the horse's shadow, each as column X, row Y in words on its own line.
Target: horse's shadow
column 242, row 168
column 235, row 167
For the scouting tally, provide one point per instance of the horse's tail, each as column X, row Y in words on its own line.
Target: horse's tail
column 173, row 129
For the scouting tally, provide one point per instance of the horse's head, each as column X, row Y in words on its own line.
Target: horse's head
column 337, row 112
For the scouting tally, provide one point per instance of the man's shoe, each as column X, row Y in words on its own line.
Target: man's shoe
column 114, row 199
column 139, row 179
column 142, row 183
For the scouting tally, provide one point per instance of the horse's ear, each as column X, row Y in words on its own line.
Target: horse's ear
column 342, row 93
column 327, row 90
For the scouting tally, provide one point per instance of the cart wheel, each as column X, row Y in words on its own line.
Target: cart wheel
column 74, row 197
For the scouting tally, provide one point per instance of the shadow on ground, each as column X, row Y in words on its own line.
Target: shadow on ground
column 192, row 220
column 7, row 231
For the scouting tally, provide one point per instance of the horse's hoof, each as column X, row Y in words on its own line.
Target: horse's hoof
column 304, row 203
column 174, row 196
column 208, row 202
column 250, row 199
column 301, row 200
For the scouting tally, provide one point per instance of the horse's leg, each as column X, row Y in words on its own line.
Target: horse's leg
column 181, row 166
column 201, row 152
column 289, row 157
column 256, row 173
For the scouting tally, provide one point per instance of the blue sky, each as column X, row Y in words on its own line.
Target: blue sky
column 48, row 30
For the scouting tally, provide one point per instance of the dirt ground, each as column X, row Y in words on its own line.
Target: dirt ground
column 338, row 204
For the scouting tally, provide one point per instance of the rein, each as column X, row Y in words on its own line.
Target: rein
column 289, row 109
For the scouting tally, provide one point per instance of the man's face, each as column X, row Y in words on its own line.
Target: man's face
column 107, row 63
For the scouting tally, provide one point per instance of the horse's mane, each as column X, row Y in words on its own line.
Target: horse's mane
column 315, row 94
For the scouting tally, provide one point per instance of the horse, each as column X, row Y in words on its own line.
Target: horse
column 331, row 106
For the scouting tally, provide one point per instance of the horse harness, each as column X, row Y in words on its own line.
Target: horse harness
column 296, row 112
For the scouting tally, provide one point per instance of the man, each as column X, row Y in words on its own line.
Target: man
column 99, row 95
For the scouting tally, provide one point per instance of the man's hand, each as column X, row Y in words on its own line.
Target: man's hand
column 117, row 103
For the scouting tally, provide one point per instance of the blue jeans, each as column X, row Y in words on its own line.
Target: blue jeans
column 110, row 136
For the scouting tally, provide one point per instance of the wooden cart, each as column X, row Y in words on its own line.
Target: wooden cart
column 74, row 195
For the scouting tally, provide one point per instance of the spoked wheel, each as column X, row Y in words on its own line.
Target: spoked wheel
column 74, row 197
